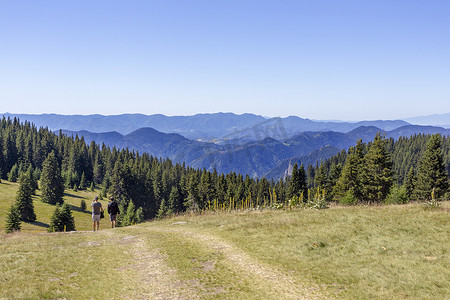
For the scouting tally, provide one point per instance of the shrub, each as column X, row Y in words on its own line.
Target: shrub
column 83, row 205
column 62, row 219
column 13, row 220
column 398, row 195
column 348, row 199
column 13, row 174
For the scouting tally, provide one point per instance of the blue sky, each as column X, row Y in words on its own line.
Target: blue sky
column 346, row 60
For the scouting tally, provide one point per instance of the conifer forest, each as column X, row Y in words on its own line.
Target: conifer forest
column 382, row 171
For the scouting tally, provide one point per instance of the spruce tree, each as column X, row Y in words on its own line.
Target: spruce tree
column 294, row 183
column 24, row 200
column 66, row 218
column 432, row 174
column 13, row 173
column 349, row 182
column 377, row 174
column 82, row 182
column 130, row 217
column 174, row 204
column 163, row 210
column 51, row 181
column 13, row 220
column 302, row 182
column 55, row 220
column 139, row 215
column 121, row 218
column 32, row 180
column 410, row 183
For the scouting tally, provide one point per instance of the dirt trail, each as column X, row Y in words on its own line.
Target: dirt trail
column 281, row 285
column 158, row 280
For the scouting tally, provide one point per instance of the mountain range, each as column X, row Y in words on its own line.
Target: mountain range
column 216, row 127
column 248, row 143
column 268, row 157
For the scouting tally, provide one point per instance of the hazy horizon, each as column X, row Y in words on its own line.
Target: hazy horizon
column 211, row 113
column 321, row 60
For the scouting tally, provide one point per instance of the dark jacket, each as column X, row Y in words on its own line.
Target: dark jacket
column 113, row 208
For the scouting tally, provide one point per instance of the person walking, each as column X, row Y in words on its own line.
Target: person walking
column 97, row 209
column 113, row 211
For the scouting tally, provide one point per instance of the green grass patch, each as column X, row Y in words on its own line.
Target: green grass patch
column 358, row 252
column 44, row 211
column 387, row 252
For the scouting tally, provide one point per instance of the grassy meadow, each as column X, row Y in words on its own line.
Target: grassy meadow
column 361, row 252
column 44, row 211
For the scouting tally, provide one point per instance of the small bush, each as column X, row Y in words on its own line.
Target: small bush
column 62, row 219
column 348, row 199
column 13, row 220
column 83, row 205
column 398, row 195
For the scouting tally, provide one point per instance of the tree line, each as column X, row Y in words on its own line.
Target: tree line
column 147, row 187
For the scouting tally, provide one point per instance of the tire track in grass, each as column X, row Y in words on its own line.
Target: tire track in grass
column 156, row 280
column 278, row 284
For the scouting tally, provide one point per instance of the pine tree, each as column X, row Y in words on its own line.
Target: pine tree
column 24, row 200
column 432, row 174
column 130, row 217
column 163, row 210
column 62, row 219
column 377, row 174
column 82, row 182
column 13, row 173
column 121, row 218
column 13, row 220
column 139, row 215
column 349, row 182
column 32, row 180
column 66, row 218
column 410, row 183
column 55, row 220
column 51, row 181
column 174, row 202
column 92, row 187
column 302, row 181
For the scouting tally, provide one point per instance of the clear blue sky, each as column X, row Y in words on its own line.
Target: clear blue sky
column 347, row 60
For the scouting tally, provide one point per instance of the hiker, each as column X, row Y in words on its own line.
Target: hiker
column 97, row 209
column 113, row 211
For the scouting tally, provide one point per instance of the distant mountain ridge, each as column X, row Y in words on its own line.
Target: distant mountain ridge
column 267, row 157
column 216, row 127
column 441, row 120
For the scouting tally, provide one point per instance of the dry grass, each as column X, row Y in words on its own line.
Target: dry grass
column 384, row 252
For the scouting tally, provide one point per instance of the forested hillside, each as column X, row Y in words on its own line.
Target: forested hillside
column 158, row 187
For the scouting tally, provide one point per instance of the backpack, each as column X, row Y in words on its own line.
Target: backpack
column 113, row 208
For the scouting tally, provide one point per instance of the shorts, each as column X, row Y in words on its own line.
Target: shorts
column 113, row 217
column 95, row 218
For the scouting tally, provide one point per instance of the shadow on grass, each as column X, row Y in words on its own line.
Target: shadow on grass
column 40, row 224
column 76, row 208
column 66, row 194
